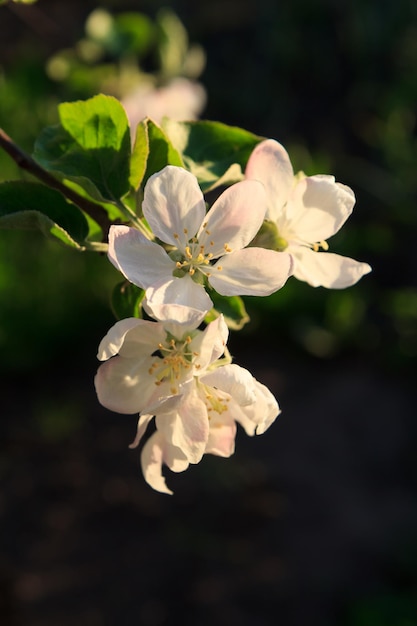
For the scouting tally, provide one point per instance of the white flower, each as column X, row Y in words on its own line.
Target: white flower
column 149, row 363
column 180, row 99
column 204, row 421
column 204, row 248
column 306, row 211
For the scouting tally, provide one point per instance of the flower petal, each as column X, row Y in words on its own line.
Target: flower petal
column 124, row 385
column 234, row 380
column 113, row 340
column 186, row 428
column 270, row 164
column 221, row 440
column 143, row 262
column 210, row 344
column 234, row 219
column 183, row 291
column 157, row 451
column 318, row 207
column 251, row 272
column 324, row 269
column 173, row 202
column 142, row 426
column 264, row 410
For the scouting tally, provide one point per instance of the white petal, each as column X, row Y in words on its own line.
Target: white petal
column 264, row 410
column 157, row 451
column 174, row 316
column 187, row 428
column 270, row 164
column 251, row 272
column 124, row 385
column 172, row 202
column 234, row 380
column 324, row 269
column 183, row 291
column 235, row 218
column 112, row 342
column 140, row 260
column 318, row 207
column 221, row 441
column 210, row 344
column 142, row 426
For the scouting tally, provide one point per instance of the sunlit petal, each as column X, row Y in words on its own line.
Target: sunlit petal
column 318, row 207
column 141, row 261
column 251, row 272
column 234, row 219
column 324, row 269
column 173, row 202
column 270, row 164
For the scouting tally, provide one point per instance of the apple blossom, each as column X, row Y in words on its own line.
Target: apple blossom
column 303, row 212
column 202, row 248
column 219, row 398
column 180, row 99
column 147, row 363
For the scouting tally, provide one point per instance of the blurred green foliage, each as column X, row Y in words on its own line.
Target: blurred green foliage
column 335, row 83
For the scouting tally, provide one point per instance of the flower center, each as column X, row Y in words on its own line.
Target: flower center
column 172, row 362
column 195, row 256
column 215, row 401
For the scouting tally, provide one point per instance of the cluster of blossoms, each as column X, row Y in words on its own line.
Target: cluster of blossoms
column 258, row 232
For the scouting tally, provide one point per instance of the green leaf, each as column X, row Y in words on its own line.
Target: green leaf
column 161, row 150
column 126, row 300
column 31, row 206
column 215, row 153
column 91, row 147
column 233, row 309
column 140, row 155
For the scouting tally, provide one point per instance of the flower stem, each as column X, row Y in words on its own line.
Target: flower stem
column 25, row 162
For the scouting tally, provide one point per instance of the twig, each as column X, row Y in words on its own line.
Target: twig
column 25, row 162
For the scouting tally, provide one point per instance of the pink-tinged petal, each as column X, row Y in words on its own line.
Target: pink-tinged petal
column 112, row 342
column 183, row 291
column 210, row 344
column 251, row 272
column 142, row 426
column 141, row 261
column 186, row 428
column 270, row 164
column 172, row 202
column 124, row 385
column 234, row 380
column 318, row 207
column 234, row 219
column 324, row 269
column 221, row 440
column 155, row 453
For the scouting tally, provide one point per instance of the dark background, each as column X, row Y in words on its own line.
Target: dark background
column 313, row 523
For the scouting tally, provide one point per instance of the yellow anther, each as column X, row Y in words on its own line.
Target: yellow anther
column 185, row 231
column 191, row 271
column 188, row 252
column 176, row 236
column 219, row 268
column 227, row 247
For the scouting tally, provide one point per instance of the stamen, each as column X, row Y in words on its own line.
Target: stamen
column 227, row 247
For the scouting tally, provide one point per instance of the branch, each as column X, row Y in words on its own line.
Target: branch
column 25, row 162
